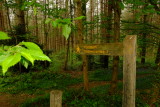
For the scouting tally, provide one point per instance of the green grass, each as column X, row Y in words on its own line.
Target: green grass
column 80, row 98
column 35, row 81
column 38, row 83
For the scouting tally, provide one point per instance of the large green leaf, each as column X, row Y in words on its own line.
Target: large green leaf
column 10, row 61
column 32, row 46
column 39, row 56
column 28, row 57
column 4, row 36
column 24, row 62
column 2, row 58
column 66, row 31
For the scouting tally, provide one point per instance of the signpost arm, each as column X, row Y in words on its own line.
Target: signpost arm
column 129, row 71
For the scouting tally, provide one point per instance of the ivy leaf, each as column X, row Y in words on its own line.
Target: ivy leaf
column 4, row 36
column 66, row 30
column 32, row 46
column 10, row 61
column 28, row 57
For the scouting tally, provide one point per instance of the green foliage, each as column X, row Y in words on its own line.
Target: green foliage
column 34, row 82
column 58, row 59
column 37, row 102
column 24, row 52
column 3, row 36
column 65, row 24
column 75, row 63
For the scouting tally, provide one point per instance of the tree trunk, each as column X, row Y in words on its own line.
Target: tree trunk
column 68, row 41
column 117, row 14
column 90, row 57
column 20, row 22
column 144, row 35
column 107, row 13
column 157, row 61
column 20, row 27
column 2, row 25
column 80, row 40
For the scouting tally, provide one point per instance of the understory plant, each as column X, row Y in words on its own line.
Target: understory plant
column 24, row 52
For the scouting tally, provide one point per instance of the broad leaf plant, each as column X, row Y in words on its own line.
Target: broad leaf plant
column 24, row 52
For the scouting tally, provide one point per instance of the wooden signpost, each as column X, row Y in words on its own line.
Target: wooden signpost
column 127, row 49
column 56, row 98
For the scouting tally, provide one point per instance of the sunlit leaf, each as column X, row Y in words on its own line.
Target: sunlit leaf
column 32, row 46
column 66, row 30
column 10, row 61
column 24, row 62
column 28, row 57
column 39, row 56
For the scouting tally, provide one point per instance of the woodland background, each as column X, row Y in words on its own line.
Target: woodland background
column 88, row 22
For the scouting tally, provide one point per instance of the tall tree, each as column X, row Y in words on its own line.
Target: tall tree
column 144, row 37
column 117, row 16
column 80, row 40
column 106, row 23
column 2, row 24
column 20, row 21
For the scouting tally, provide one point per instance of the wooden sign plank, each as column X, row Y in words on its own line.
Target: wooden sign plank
column 112, row 49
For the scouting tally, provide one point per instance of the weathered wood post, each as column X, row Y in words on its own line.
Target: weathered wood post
column 56, row 98
column 129, row 71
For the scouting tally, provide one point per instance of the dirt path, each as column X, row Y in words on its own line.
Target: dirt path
column 8, row 100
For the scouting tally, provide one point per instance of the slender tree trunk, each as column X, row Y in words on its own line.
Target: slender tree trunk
column 20, row 21
column 45, row 26
column 144, row 35
column 21, row 27
column 105, row 26
column 80, row 40
column 117, row 14
column 68, row 41
column 8, row 17
column 37, row 31
column 90, row 39
column 2, row 25
column 157, row 61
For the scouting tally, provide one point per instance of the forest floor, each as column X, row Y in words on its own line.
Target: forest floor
column 14, row 100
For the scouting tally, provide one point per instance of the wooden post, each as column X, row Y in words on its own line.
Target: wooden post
column 56, row 98
column 129, row 71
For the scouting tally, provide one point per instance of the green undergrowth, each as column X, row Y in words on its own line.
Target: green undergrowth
column 145, row 77
column 35, row 82
column 80, row 98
